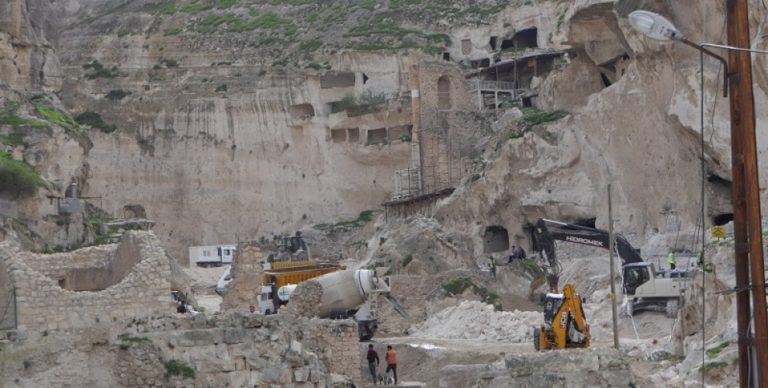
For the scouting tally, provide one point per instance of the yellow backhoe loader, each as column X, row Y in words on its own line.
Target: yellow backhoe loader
column 565, row 325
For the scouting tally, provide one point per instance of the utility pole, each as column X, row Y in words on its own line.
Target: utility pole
column 746, row 200
column 613, row 275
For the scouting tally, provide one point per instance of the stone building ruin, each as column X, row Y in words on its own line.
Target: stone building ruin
column 75, row 290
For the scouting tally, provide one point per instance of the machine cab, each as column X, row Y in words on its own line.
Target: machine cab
column 635, row 275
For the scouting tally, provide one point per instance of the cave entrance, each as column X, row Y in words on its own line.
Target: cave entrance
column 722, row 219
column 495, row 239
column 526, row 38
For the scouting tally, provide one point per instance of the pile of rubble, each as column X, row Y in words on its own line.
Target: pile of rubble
column 477, row 320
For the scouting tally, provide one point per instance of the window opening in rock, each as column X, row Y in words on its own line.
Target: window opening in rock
column 495, row 239
column 338, row 135
column 444, row 93
column 377, row 136
column 446, row 56
column 526, row 38
column 353, row 135
column 401, row 132
column 527, row 102
column 466, row 46
column 588, row 222
column 302, row 111
column 493, row 42
column 722, row 219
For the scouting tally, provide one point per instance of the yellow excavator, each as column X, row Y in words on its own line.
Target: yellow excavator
column 565, row 325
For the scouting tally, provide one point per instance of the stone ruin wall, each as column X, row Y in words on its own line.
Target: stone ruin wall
column 233, row 350
column 247, row 274
column 42, row 303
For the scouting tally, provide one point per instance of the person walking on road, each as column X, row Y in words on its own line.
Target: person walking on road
column 373, row 362
column 391, row 358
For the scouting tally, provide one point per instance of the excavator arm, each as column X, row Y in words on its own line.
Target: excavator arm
column 546, row 232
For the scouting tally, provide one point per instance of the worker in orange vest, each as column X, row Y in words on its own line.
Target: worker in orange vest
column 391, row 358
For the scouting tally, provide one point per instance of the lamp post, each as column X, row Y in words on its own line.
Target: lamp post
column 745, row 186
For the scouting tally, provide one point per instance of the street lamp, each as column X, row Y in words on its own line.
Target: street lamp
column 745, row 187
column 657, row 27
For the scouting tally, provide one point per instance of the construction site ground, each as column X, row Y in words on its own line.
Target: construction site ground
column 422, row 357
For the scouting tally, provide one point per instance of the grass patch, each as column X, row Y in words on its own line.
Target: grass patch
column 17, row 177
column 407, row 260
column 56, row 117
column 167, row 7
column 224, row 4
column 368, row 4
column 714, row 365
column 96, row 69
column 310, row 45
column 533, row 116
column 178, row 368
column 714, row 351
column 13, row 139
column 8, row 117
column 171, row 31
column 363, row 218
column 195, row 7
column 221, row 88
column 94, row 120
column 457, row 286
column 530, row 266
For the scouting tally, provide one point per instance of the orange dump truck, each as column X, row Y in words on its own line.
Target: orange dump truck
column 282, row 273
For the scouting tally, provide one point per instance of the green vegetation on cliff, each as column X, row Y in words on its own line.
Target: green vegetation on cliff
column 8, row 116
column 17, row 177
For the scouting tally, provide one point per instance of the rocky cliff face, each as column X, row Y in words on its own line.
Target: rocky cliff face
column 229, row 120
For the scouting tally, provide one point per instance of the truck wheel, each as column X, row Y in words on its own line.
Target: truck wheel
column 672, row 308
column 537, row 339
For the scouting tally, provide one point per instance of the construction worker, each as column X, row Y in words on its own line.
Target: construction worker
column 492, row 266
column 373, row 362
column 671, row 260
column 391, row 358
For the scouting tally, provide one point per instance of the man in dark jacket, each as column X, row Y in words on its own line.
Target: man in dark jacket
column 373, row 362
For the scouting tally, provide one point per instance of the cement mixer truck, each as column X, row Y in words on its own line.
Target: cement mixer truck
column 343, row 294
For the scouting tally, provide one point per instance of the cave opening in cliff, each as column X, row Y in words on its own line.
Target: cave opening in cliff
column 377, row 136
column 365, row 78
column 301, row 111
column 722, row 219
column 353, row 135
column 495, row 239
column 338, row 135
column 446, row 56
column 444, row 93
column 525, row 39
column 494, row 41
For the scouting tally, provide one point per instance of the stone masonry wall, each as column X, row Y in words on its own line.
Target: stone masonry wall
column 224, row 350
column 43, row 305
column 344, row 348
column 247, row 274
